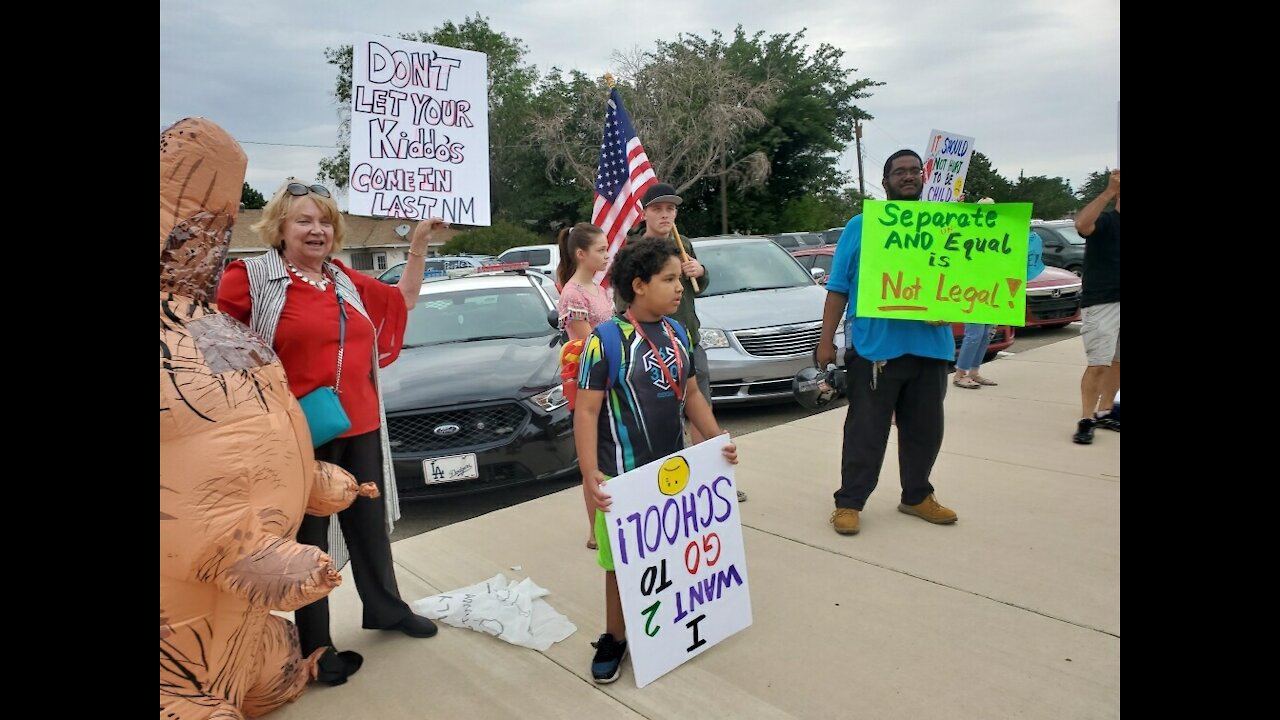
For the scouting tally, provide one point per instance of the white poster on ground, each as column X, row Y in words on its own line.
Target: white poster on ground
column 676, row 537
column 946, row 164
column 419, row 131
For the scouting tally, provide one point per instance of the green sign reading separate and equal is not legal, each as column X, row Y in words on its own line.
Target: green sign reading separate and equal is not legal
column 960, row 262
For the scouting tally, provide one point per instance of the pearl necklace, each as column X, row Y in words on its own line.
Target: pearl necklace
column 322, row 284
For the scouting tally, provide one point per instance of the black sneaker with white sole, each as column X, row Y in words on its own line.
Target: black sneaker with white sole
column 606, row 666
column 1107, row 422
column 1084, row 432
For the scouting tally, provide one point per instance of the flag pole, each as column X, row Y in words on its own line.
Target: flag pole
column 684, row 256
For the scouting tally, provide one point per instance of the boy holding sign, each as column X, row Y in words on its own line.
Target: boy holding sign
column 640, row 362
column 894, row 366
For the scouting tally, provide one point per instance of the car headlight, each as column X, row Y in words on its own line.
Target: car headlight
column 550, row 399
column 712, row 338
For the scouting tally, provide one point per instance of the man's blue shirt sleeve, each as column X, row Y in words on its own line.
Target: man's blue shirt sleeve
column 845, row 263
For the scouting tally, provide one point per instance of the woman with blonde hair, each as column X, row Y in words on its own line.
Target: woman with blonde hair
column 332, row 328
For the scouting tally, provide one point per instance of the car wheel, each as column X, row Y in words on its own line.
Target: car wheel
column 1077, row 269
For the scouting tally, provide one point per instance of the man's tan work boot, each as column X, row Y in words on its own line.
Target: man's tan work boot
column 845, row 521
column 930, row 510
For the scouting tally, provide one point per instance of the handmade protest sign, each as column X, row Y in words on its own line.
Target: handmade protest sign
column 946, row 164
column 961, row 262
column 419, row 131
column 676, row 539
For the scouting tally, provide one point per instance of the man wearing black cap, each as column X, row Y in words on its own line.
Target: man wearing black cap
column 660, row 204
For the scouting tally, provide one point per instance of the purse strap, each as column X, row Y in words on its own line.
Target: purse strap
column 342, row 338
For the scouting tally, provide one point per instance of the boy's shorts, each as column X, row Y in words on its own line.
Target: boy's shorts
column 604, row 552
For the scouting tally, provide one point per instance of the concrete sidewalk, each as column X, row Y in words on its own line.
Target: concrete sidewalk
column 1013, row 612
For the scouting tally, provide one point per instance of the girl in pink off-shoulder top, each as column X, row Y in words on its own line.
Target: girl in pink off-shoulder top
column 584, row 251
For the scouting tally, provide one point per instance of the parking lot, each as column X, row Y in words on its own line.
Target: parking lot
column 419, row 517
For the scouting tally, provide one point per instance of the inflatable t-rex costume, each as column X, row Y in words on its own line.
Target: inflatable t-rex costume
column 237, row 470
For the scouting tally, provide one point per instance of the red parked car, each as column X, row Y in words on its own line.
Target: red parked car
column 1053, row 298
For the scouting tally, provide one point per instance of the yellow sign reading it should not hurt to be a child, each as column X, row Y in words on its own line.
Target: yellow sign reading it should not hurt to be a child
column 961, row 262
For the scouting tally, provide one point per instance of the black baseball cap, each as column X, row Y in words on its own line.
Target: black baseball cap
column 661, row 192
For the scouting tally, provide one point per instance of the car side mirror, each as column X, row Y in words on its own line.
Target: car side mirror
column 817, row 273
column 553, row 319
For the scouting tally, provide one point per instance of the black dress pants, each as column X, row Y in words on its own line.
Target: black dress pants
column 912, row 387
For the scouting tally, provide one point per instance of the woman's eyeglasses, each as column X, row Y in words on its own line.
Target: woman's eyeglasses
column 300, row 190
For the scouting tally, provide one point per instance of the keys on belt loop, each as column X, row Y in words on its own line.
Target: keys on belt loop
column 876, row 367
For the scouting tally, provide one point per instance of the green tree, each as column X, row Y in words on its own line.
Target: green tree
column 1052, row 198
column 688, row 106
column 1093, row 187
column 983, row 181
column 808, row 124
column 492, row 240
column 251, row 199
column 824, row 210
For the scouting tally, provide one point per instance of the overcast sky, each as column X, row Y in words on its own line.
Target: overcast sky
column 1035, row 82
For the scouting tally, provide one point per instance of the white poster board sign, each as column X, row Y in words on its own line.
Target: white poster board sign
column 946, row 164
column 419, row 131
column 676, row 537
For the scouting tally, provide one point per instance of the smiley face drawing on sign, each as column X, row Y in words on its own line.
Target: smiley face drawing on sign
column 673, row 476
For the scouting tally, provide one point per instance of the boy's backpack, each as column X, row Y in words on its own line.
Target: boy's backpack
column 611, row 345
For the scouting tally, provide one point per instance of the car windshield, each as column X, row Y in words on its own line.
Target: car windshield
column 743, row 267
column 469, row 315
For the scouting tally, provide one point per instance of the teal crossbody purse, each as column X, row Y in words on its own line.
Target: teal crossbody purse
column 325, row 417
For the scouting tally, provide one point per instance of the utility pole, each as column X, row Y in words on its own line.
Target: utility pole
column 857, row 134
column 724, row 200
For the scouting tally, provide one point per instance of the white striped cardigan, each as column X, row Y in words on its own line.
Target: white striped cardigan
column 268, row 283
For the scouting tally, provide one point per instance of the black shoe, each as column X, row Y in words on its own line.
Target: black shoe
column 606, row 666
column 335, row 667
column 1108, row 422
column 1084, row 432
column 415, row 626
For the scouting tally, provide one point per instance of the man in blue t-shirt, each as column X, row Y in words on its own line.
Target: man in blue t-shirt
column 894, row 366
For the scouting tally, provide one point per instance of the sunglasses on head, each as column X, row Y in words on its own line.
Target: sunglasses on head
column 300, row 190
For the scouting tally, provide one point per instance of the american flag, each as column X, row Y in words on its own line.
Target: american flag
column 623, row 176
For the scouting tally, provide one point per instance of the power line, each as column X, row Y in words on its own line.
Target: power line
column 298, row 145
column 886, row 132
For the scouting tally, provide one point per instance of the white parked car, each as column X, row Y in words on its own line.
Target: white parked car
column 543, row 258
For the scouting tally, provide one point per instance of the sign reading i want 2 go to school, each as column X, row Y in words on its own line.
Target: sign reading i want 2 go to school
column 960, row 262
column 676, row 540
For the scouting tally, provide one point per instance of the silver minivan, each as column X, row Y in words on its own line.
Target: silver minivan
column 761, row 318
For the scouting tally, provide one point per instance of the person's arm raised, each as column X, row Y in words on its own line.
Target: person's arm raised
column 1087, row 219
column 419, row 243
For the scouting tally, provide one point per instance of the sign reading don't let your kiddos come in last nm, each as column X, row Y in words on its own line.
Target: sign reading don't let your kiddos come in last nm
column 419, row 131
column 959, row 262
column 676, row 537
